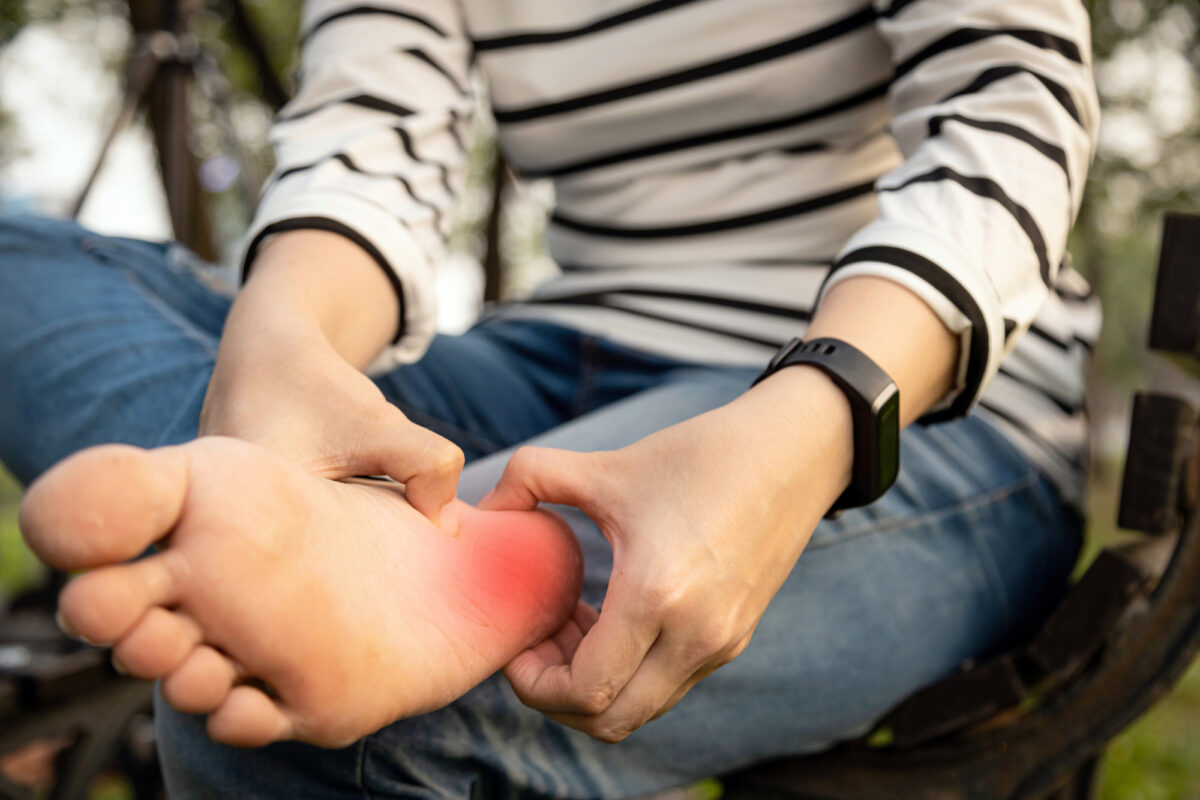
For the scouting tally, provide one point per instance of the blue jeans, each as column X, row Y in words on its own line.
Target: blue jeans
column 113, row 340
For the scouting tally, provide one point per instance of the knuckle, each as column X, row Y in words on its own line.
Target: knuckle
column 450, row 457
column 598, row 700
column 712, row 636
column 611, row 734
column 669, row 598
column 523, row 459
column 442, row 456
column 738, row 649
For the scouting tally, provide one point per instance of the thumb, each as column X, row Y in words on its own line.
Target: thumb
column 544, row 474
column 427, row 464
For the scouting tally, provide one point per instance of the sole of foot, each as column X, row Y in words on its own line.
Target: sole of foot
column 349, row 605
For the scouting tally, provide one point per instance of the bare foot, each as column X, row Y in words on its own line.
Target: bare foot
column 351, row 606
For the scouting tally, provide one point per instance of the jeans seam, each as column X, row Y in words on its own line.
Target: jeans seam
column 360, row 769
column 587, row 373
column 968, row 503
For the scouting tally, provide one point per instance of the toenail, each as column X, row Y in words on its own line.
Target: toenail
column 62, row 624
column 68, row 630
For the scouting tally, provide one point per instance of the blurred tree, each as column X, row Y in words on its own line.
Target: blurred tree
column 1148, row 161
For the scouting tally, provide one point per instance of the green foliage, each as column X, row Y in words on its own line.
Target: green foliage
column 18, row 568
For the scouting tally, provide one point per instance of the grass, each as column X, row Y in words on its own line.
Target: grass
column 1157, row 758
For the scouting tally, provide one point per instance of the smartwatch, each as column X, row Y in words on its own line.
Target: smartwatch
column 874, row 410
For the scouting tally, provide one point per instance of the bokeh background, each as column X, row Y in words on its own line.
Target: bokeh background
column 61, row 65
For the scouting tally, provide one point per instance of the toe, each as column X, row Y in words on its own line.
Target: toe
column 102, row 606
column 104, row 505
column 201, row 683
column 157, row 643
column 248, row 718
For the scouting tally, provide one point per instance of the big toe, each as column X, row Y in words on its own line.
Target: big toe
column 104, row 505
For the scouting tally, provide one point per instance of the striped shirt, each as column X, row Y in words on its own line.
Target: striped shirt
column 719, row 163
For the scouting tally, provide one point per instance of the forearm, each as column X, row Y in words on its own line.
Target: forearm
column 324, row 284
column 315, row 308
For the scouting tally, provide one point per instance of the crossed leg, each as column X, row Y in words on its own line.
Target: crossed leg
column 969, row 548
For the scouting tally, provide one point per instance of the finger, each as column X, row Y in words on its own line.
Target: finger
column 666, row 668
column 703, row 672
column 682, row 691
column 608, row 655
column 427, row 464
column 544, row 474
column 557, row 649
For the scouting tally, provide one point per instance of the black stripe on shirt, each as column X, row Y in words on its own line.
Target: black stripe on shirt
column 714, row 137
column 548, row 37
column 361, row 100
column 1067, row 408
column 752, row 58
column 603, row 301
column 1050, row 151
column 989, row 189
column 443, row 169
column 371, row 11
column 949, row 287
column 758, row 307
column 349, row 164
column 968, row 36
column 1049, row 338
column 788, row 263
column 455, row 118
column 994, row 74
column 421, row 55
column 895, row 8
column 333, row 226
column 796, row 209
column 1024, row 428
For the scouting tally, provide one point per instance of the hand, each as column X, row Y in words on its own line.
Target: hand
column 285, row 378
column 706, row 520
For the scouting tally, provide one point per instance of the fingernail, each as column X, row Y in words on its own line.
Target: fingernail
column 63, row 626
column 116, row 665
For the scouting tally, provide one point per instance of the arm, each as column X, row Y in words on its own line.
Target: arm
column 338, row 259
column 996, row 115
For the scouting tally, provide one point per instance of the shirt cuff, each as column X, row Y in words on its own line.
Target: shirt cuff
column 384, row 237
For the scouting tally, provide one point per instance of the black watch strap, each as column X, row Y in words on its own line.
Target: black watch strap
column 874, row 410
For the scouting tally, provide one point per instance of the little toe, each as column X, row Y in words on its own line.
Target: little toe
column 104, row 604
column 248, row 718
column 201, row 683
column 157, row 643
column 104, row 505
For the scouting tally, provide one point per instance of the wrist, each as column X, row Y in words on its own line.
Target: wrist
column 258, row 354
column 317, row 278
column 799, row 423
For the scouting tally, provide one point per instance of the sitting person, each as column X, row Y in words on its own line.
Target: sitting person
column 897, row 181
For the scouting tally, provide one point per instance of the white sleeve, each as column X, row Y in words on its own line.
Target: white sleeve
column 995, row 111
column 372, row 146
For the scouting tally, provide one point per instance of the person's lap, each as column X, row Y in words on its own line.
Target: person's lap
column 104, row 340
